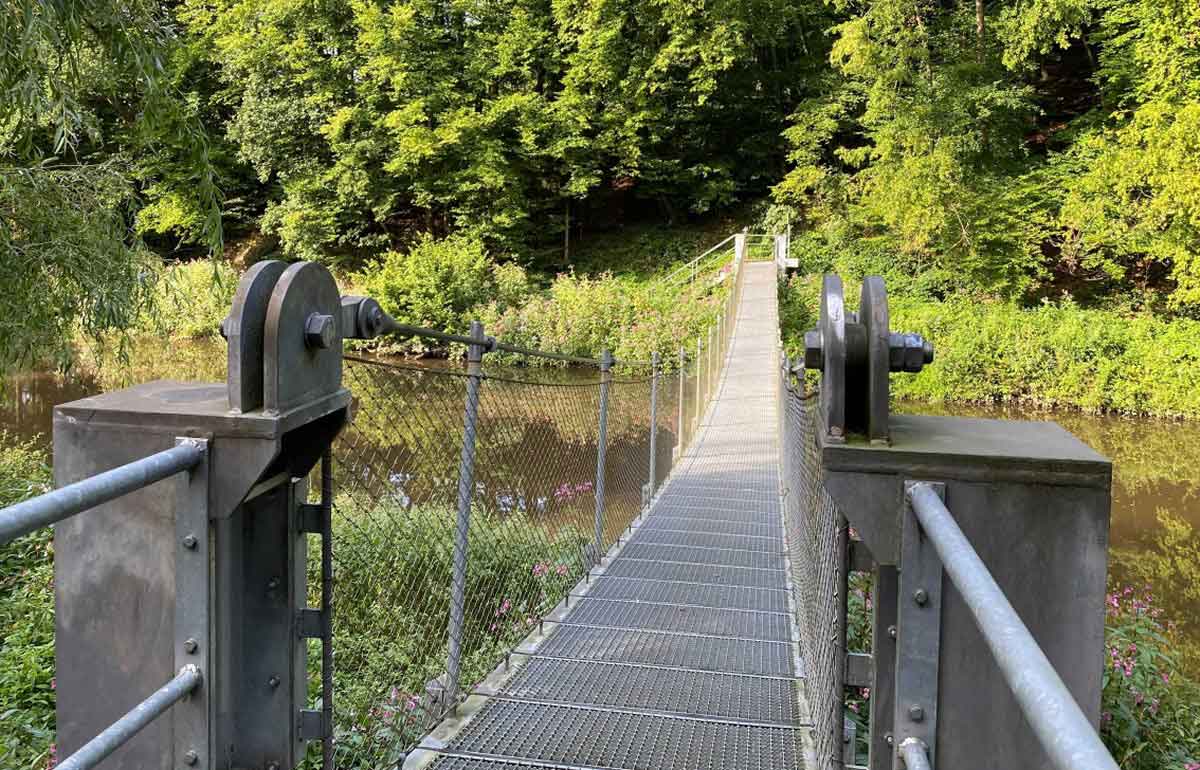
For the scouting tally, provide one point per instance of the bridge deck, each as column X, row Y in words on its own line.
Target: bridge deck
column 682, row 654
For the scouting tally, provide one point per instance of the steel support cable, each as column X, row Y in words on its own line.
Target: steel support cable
column 43, row 510
column 1060, row 725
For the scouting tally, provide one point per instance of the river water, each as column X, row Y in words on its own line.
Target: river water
column 1156, row 464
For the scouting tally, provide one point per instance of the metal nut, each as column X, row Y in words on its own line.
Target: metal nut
column 908, row 352
column 916, row 713
column 319, row 331
column 921, row 596
column 887, row 738
column 190, row 757
column 190, row 542
column 814, row 350
column 190, row 646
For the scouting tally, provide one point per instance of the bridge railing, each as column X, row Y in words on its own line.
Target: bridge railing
column 74, row 499
column 949, row 585
column 1050, row 708
column 469, row 505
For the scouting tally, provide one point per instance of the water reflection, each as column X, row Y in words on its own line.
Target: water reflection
column 1155, row 519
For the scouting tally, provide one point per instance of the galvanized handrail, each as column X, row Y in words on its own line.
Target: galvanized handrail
column 120, row 732
column 1060, row 725
column 43, row 510
column 695, row 260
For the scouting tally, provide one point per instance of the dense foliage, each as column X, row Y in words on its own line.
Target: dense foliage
column 1027, row 148
column 26, row 618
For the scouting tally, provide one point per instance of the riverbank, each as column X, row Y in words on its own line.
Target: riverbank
column 1053, row 356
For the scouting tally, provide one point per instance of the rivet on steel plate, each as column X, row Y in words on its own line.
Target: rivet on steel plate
column 190, row 757
column 921, row 596
column 190, row 646
column 189, row 542
column 916, row 713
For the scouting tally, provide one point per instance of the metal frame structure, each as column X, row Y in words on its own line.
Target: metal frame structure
column 985, row 619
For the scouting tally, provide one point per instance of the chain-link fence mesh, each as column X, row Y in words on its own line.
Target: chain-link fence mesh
column 816, row 532
column 530, row 536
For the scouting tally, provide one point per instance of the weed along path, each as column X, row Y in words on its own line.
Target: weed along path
column 679, row 652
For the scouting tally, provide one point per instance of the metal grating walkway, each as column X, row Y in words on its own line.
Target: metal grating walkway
column 682, row 652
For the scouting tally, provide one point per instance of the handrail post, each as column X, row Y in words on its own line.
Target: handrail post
column 682, row 381
column 653, row 423
column 466, row 487
column 602, row 440
column 699, row 379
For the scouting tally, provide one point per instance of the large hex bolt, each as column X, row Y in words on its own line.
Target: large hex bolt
column 908, row 352
column 319, row 331
column 814, row 350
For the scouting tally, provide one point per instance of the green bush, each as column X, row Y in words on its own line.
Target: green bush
column 436, row 284
column 190, row 299
column 1149, row 711
column 26, row 618
column 580, row 315
column 1053, row 355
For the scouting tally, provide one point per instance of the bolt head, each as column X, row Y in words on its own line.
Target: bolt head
column 921, row 596
column 190, row 542
column 814, row 350
column 916, row 713
column 190, row 646
column 273, row 682
column 273, row 583
column 892, row 631
column 190, row 757
column 319, row 331
column 888, row 739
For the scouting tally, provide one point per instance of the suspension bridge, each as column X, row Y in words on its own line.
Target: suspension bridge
column 337, row 562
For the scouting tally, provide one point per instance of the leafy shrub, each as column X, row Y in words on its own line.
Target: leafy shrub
column 190, row 299
column 580, row 315
column 1149, row 711
column 26, row 618
column 436, row 284
column 1054, row 355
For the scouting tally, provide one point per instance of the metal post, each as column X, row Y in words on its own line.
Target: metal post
column 682, row 379
column 466, row 485
column 605, row 377
column 713, row 374
column 327, row 609
column 699, row 377
column 653, row 419
column 1066, row 734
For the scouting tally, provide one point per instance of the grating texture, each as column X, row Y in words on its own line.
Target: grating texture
column 662, row 522
column 714, row 574
column 709, row 540
column 693, row 594
column 735, row 656
column 593, row 738
column 691, row 554
column 742, row 624
column 817, row 536
column 688, row 693
column 680, row 655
